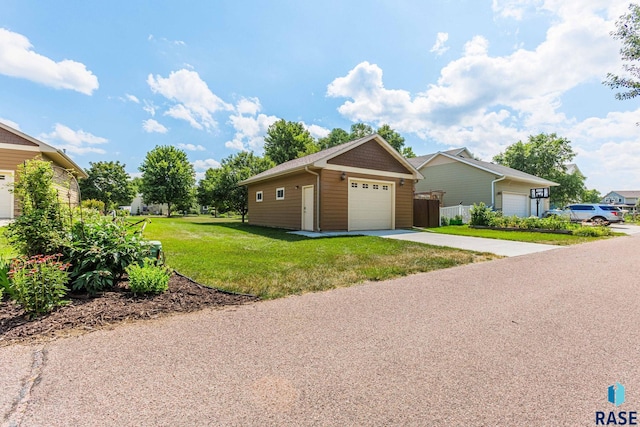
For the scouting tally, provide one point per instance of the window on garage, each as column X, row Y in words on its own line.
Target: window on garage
column 280, row 193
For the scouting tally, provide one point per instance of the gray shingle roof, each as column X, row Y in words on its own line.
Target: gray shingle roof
column 491, row 167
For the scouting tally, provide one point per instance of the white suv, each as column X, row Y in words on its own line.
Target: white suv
column 594, row 212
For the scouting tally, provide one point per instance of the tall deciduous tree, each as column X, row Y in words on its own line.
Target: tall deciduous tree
column 109, row 183
column 167, row 177
column 628, row 31
column 337, row 136
column 220, row 186
column 360, row 130
column 287, row 141
column 546, row 156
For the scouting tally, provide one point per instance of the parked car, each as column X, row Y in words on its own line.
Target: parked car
column 594, row 212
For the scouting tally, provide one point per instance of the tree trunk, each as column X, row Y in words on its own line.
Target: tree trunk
column 168, row 210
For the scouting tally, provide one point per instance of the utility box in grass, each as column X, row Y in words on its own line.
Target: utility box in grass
column 155, row 247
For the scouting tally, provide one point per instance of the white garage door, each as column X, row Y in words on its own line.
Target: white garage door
column 370, row 205
column 515, row 204
column 6, row 205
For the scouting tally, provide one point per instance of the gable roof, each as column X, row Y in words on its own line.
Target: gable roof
column 55, row 154
column 499, row 170
column 419, row 161
column 319, row 159
column 625, row 193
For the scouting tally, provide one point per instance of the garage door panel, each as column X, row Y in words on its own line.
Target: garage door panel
column 370, row 205
column 515, row 204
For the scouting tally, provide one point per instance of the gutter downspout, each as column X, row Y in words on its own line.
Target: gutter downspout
column 306, row 168
column 493, row 191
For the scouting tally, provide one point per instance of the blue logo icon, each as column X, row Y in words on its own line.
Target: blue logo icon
column 616, row 394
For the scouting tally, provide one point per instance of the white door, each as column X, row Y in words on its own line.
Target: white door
column 6, row 197
column 371, row 204
column 515, row 204
column 307, row 208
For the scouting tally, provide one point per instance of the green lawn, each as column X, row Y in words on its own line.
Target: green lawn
column 520, row 236
column 6, row 251
column 271, row 263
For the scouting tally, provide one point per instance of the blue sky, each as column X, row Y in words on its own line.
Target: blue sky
column 111, row 80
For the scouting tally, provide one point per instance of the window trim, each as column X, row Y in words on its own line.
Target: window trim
column 277, row 191
column 259, row 196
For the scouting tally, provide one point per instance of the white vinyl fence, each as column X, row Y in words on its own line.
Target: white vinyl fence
column 451, row 212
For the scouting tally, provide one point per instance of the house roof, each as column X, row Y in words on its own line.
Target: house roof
column 319, row 159
column 626, row 193
column 417, row 162
column 59, row 156
column 499, row 170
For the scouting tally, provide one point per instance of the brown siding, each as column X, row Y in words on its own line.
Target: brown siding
column 285, row 213
column 369, row 155
column 404, row 204
column 7, row 137
column 334, row 200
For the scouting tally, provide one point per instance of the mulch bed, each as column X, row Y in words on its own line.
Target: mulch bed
column 85, row 314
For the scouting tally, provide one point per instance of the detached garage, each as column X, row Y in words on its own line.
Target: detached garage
column 360, row 185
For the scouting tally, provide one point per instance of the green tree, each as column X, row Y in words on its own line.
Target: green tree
column 360, row 130
column 167, row 177
column 591, row 196
column 337, row 136
column 109, row 183
column 392, row 137
column 546, row 156
column 40, row 229
column 220, row 187
column 287, row 141
column 628, row 31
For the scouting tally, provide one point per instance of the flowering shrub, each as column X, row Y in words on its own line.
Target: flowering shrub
column 38, row 283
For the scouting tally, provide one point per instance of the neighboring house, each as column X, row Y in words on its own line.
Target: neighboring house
column 138, row 207
column 363, row 184
column 17, row 147
column 627, row 198
column 465, row 180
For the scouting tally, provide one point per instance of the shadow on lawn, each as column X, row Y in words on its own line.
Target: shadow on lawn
column 271, row 233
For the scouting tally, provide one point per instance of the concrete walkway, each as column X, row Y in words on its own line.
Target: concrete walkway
column 532, row 340
column 479, row 244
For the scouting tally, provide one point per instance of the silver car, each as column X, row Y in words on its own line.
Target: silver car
column 594, row 212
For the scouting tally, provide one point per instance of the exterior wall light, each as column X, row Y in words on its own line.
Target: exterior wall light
column 401, row 181
column 343, row 176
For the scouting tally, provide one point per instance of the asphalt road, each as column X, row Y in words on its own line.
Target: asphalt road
column 529, row 340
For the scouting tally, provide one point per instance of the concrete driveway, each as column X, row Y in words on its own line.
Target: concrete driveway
column 521, row 341
column 479, row 244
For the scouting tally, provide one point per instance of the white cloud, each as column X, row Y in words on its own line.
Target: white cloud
column 74, row 141
column 132, row 98
column 17, row 59
column 191, row 147
column 149, row 107
column 152, row 126
column 316, row 131
column 487, row 102
column 10, row 123
column 203, row 165
column 195, row 102
column 439, row 46
column 250, row 126
column 513, row 8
